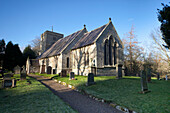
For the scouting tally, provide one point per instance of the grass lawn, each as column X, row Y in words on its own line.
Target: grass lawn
column 124, row 92
column 30, row 96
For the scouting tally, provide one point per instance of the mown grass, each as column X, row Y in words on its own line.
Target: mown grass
column 125, row 92
column 30, row 96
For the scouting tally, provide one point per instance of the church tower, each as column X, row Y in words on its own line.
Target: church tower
column 47, row 39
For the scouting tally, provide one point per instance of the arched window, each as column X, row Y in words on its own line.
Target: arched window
column 110, row 50
column 87, row 59
column 115, row 53
column 67, row 62
column 84, row 59
column 106, row 52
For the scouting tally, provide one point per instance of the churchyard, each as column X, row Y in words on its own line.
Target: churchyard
column 30, row 96
column 125, row 92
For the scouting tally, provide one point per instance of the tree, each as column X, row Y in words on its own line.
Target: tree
column 13, row 56
column 161, row 54
column 2, row 52
column 28, row 52
column 164, row 18
column 133, row 54
column 35, row 43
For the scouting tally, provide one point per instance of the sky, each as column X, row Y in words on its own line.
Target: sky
column 21, row 21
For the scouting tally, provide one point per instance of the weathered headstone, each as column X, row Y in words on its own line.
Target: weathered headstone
column 23, row 73
column 9, row 83
column 17, row 70
column 158, row 76
column 144, row 82
column 90, row 80
column 166, row 77
column 63, row 73
column 119, row 71
column 149, row 74
column 71, row 75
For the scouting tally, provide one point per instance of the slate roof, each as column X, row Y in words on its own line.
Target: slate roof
column 89, row 37
column 58, row 46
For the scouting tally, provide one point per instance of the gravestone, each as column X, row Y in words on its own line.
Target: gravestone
column 71, row 76
column 17, row 70
column 144, row 82
column 90, row 80
column 23, row 73
column 49, row 68
column 63, row 73
column 119, row 71
column 8, row 83
column 149, row 74
column 166, row 77
column 158, row 76
column 54, row 71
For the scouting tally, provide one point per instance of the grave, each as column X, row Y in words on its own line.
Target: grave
column 90, row 80
column 119, row 71
column 158, row 76
column 8, row 83
column 71, row 76
column 23, row 74
column 149, row 74
column 63, row 73
column 17, row 70
column 144, row 83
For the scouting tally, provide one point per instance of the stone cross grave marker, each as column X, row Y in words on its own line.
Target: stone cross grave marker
column 23, row 73
column 144, row 82
column 71, row 76
column 90, row 80
column 17, row 70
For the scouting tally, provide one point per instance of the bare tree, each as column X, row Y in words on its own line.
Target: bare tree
column 161, row 54
column 133, row 54
column 35, row 43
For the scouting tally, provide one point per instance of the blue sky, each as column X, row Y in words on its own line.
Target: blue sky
column 23, row 20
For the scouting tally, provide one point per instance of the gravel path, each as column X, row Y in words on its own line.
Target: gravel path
column 79, row 102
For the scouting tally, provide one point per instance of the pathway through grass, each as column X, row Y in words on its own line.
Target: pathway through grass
column 125, row 92
column 30, row 96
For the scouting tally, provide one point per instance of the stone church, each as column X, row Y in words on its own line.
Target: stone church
column 99, row 51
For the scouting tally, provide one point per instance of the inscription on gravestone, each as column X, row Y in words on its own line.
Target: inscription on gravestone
column 90, row 79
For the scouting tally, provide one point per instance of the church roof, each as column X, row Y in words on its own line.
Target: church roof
column 89, row 37
column 58, row 46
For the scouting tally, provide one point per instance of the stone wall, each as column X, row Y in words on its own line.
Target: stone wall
column 79, row 58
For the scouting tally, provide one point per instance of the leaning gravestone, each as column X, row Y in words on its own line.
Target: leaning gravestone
column 23, row 73
column 90, row 80
column 71, row 75
column 144, row 82
column 63, row 73
column 17, row 70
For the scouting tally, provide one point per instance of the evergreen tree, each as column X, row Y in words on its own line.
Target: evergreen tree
column 2, row 52
column 164, row 18
column 28, row 52
column 9, row 56
column 13, row 56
